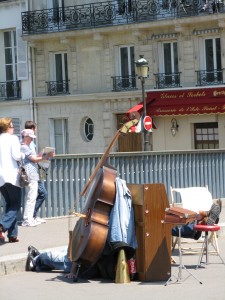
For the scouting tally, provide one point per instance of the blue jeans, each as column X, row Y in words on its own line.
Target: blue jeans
column 12, row 196
column 53, row 260
column 42, row 196
column 187, row 231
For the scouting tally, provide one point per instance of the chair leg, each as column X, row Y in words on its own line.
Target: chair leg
column 203, row 250
column 206, row 247
column 213, row 241
column 216, row 247
column 174, row 242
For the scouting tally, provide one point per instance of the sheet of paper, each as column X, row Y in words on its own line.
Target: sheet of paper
column 46, row 163
column 48, row 150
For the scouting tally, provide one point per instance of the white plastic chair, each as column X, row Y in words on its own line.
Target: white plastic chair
column 193, row 198
column 196, row 199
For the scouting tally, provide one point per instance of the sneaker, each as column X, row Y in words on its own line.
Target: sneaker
column 30, row 264
column 40, row 220
column 33, row 251
column 214, row 214
column 37, row 222
column 32, row 223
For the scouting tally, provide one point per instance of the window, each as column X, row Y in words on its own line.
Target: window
column 87, row 129
column 58, row 10
column 125, row 68
column 59, row 74
column 206, row 135
column 59, row 135
column 10, row 51
column 170, row 62
column 213, row 59
column 210, row 62
column 10, row 55
column 125, row 6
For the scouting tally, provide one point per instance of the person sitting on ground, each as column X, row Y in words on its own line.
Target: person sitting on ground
column 60, row 260
column 210, row 217
column 50, row 260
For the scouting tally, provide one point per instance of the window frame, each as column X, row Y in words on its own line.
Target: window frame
column 202, row 52
column 53, row 71
column 174, row 61
column 204, row 131
column 64, row 135
column 13, row 48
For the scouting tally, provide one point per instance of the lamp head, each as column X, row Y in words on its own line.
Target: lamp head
column 142, row 67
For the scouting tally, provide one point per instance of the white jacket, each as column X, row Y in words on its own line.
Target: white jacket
column 9, row 155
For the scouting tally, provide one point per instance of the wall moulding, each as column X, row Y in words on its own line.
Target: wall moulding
column 206, row 31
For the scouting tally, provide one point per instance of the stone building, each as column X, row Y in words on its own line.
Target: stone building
column 75, row 76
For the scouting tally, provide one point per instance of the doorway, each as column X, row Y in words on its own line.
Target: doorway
column 129, row 142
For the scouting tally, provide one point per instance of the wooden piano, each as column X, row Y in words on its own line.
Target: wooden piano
column 153, row 255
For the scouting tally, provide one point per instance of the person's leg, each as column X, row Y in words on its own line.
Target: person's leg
column 30, row 199
column 187, row 231
column 12, row 196
column 53, row 260
column 41, row 197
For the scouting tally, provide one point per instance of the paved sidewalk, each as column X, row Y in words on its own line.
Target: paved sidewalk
column 52, row 234
column 55, row 234
column 51, row 285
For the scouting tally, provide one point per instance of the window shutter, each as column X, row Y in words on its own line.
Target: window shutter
column 22, row 68
column 16, row 123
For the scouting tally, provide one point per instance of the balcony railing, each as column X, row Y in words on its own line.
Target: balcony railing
column 110, row 13
column 57, row 87
column 10, row 90
column 164, row 81
column 124, row 83
column 213, row 77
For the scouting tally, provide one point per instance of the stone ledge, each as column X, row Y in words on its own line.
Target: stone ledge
column 12, row 264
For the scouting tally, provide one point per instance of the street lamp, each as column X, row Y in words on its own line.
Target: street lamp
column 142, row 73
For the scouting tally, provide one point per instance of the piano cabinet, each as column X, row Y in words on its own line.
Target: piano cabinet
column 153, row 255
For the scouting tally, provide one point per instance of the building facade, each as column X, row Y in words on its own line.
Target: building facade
column 76, row 66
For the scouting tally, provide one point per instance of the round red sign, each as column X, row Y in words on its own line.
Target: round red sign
column 147, row 122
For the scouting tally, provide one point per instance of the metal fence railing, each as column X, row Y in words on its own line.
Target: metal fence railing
column 68, row 175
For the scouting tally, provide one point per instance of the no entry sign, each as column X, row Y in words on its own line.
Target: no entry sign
column 147, row 122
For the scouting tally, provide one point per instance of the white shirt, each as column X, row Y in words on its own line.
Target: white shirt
column 9, row 155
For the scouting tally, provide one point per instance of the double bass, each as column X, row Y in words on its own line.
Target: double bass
column 91, row 230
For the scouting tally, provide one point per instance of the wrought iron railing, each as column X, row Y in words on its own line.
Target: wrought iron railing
column 111, row 13
column 124, row 83
column 213, row 77
column 164, row 81
column 10, row 90
column 57, row 87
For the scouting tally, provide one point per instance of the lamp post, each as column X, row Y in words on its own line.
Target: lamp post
column 142, row 73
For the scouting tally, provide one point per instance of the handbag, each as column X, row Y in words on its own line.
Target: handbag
column 23, row 177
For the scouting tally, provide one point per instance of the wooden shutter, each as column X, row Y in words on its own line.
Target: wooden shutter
column 22, row 69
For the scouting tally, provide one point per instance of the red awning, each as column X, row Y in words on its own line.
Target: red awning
column 183, row 102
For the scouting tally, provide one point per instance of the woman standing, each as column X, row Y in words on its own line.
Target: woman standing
column 9, row 185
